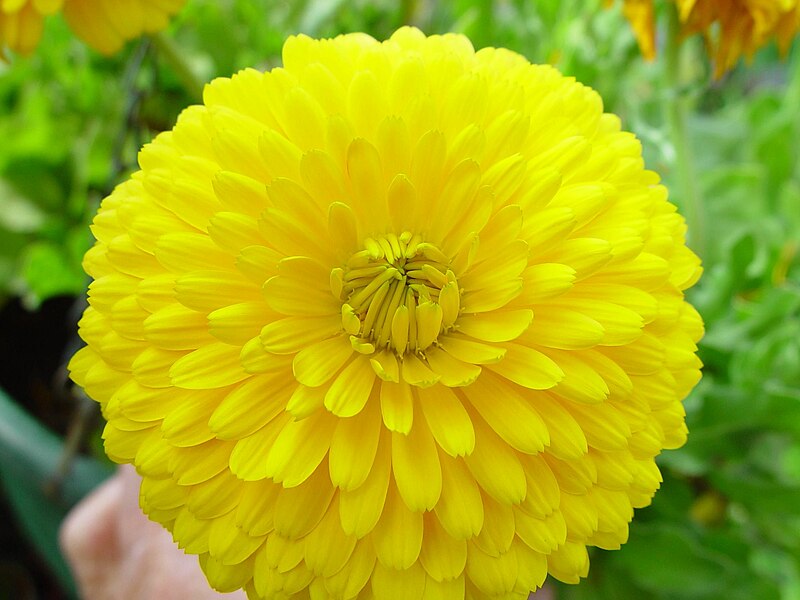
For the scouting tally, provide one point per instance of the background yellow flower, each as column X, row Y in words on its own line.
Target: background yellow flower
column 21, row 23
column 394, row 319
column 103, row 24
column 742, row 26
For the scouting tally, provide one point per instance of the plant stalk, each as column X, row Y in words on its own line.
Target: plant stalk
column 169, row 51
column 676, row 111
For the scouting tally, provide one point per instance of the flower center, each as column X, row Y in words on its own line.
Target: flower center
column 397, row 293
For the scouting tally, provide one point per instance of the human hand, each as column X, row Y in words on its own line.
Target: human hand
column 116, row 553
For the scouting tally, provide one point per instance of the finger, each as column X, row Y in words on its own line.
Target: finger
column 88, row 535
column 153, row 566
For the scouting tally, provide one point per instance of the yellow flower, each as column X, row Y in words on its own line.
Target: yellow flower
column 103, row 24
column 744, row 26
column 21, row 23
column 396, row 318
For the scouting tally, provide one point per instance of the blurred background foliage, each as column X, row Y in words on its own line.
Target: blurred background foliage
column 726, row 523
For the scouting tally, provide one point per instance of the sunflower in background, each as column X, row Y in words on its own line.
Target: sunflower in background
column 743, row 26
column 103, row 24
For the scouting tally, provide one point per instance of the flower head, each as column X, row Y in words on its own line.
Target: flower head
column 396, row 317
column 744, row 26
column 21, row 24
column 103, row 24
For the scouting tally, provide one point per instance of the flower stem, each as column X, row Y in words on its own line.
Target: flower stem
column 676, row 108
column 172, row 55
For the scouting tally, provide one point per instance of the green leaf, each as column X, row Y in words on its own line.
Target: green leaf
column 50, row 270
column 666, row 559
column 29, row 458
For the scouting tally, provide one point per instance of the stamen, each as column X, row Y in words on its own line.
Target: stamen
column 399, row 293
column 365, row 293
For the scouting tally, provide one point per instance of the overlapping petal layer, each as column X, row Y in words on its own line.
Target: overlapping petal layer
column 397, row 320
column 103, row 24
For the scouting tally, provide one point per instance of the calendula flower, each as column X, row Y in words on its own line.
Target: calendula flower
column 21, row 23
column 744, row 26
column 103, row 24
column 733, row 28
column 397, row 319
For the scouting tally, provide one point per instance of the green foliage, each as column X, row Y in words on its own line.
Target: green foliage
column 726, row 523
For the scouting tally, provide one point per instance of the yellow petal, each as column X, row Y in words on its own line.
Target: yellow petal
column 299, row 449
column 256, row 506
column 187, row 423
column 250, row 406
column 543, row 495
column 575, row 476
column 352, row 578
column 493, row 576
column 460, row 507
column 567, row 439
column 228, row 544
column 470, row 351
column 448, row 421
column 292, row 334
column 604, row 426
column 542, row 535
column 397, row 407
column 197, row 464
column 546, row 280
column 407, row 583
column 442, row 556
column 213, row 366
column 581, row 382
column 562, row 327
column 239, row 193
column 528, row 367
column 497, row 326
column 152, row 367
column 209, row 290
column 295, row 297
column 315, row 365
column 451, row 371
column 398, row 534
column 249, row 456
column 415, row 463
column 495, row 465
column 351, row 389
column 498, row 529
column 305, row 401
column 299, row 509
column 216, row 497
column 511, row 412
column 328, row 548
column 238, row 323
column 361, row 508
column 177, row 328
column 353, row 448
column 417, row 373
column 185, row 251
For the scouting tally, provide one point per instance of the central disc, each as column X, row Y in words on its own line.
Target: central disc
column 397, row 293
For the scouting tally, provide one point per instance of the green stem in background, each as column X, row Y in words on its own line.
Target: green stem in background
column 409, row 9
column 676, row 110
column 169, row 51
